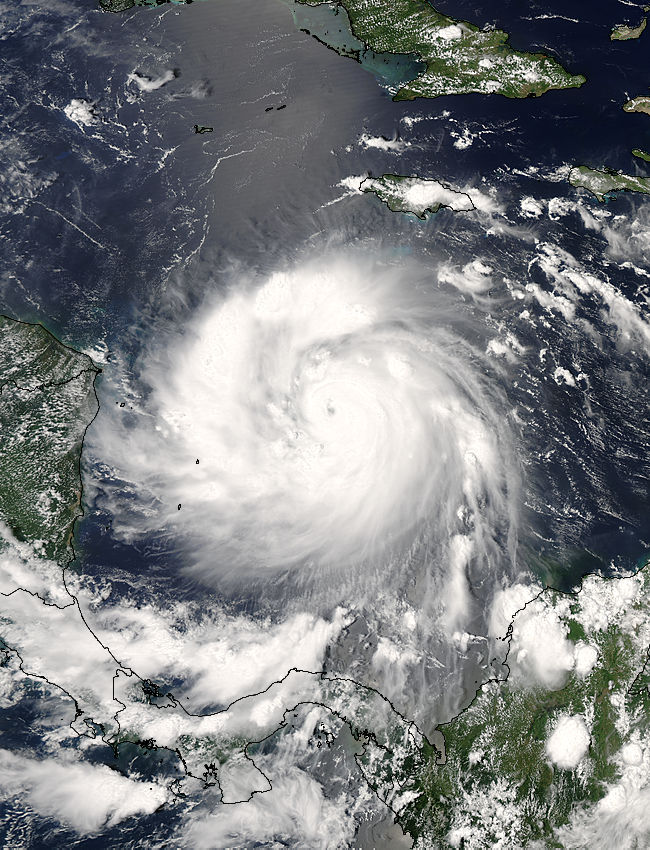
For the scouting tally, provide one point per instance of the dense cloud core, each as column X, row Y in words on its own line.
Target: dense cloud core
column 322, row 418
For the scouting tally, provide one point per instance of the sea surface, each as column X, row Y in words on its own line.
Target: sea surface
column 120, row 232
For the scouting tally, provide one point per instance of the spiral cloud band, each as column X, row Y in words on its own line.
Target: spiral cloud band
column 325, row 417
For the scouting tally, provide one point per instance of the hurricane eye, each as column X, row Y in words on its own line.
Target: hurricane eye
column 349, row 443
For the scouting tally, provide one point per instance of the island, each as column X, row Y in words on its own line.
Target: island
column 540, row 756
column 416, row 195
column 458, row 56
column 623, row 32
column 200, row 129
column 47, row 401
column 641, row 154
column 124, row 5
column 638, row 104
column 603, row 184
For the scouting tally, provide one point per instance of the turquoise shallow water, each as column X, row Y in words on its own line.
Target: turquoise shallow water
column 330, row 24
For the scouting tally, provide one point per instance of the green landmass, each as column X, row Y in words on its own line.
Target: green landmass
column 641, row 154
column 638, row 104
column 390, row 754
column 498, row 786
column 459, row 57
column 623, row 32
column 201, row 129
column 603, row 183
column 47, row 401
column 416, row 195
column 124, row 5
column 499, row 782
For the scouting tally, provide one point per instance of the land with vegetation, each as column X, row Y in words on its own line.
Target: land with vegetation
column 47, row 401
column 624, row 32
column 603, row 184
column 416, row 195
column 534, row 754
column 459, row 57
column 638, row 104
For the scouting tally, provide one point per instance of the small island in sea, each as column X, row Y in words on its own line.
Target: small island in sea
column 624, row 32
column 638, row 104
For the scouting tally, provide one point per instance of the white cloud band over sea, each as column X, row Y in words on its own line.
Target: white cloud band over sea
column 324, row 418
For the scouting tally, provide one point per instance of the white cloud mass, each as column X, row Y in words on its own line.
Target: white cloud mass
column 568, row 743
column 318, row 419
column 86, row 797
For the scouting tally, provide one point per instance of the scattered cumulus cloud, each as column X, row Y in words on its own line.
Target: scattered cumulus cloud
column 81, row 111
column 382, row 143
column 147, row 84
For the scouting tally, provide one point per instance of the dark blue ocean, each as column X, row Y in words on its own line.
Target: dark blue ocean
column 114, row 230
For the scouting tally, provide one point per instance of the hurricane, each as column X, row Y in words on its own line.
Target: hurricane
column 327, row 416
